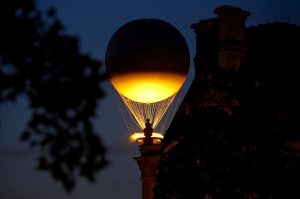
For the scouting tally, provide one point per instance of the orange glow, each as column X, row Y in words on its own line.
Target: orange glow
column 148, row 87
column 138, row 137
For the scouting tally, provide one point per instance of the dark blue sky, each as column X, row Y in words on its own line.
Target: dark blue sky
column 94, row 21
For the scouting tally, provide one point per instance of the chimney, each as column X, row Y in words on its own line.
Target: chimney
column 231, row 48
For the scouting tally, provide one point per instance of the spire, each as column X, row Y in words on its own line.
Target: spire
column 148, row 133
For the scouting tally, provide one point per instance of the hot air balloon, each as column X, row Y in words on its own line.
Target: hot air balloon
column 147, row 61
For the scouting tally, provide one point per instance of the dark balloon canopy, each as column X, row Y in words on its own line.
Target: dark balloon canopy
column 145, row 57
column 147, row 45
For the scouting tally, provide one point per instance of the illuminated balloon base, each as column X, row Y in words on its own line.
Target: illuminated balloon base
column 139, row 137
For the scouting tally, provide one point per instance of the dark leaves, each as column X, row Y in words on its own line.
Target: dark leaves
column 62, row 84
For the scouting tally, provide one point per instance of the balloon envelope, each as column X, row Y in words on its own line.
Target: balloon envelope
column 147, row 60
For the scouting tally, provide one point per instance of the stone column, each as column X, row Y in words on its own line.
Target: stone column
column 148, row 162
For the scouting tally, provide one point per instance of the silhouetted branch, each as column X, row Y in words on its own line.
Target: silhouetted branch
column 63, row 86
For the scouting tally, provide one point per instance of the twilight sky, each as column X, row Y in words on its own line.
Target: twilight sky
column 95, row 21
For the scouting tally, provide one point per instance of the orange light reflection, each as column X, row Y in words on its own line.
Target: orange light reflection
column 138, row 137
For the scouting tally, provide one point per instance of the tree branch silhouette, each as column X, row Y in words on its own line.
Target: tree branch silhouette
column 39, row 60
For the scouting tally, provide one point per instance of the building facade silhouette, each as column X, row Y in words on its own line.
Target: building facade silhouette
column 235, row 133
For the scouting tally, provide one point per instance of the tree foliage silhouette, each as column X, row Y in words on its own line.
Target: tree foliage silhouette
column 39, row 60
column 233, row 127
